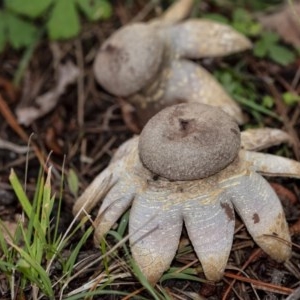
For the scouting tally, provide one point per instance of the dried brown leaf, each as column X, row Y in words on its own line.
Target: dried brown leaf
column 67, row 74
column 285, row 22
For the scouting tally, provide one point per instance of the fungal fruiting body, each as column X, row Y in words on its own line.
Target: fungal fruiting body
column 148, row 63
column 165, row 192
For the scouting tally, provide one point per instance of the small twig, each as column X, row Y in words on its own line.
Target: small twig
column 11, row 120
column 256, row 253
column 261, row 285
column 142, row 14
column 187, row 266
column 13, row 147
column 80, row 84
column 104, row 149
column 294, row 295
column 131, row 295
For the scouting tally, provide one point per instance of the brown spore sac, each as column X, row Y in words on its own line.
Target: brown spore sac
column 195, row 141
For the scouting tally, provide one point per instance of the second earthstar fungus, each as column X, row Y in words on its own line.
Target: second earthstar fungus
column 167, row 187
column 150, row 63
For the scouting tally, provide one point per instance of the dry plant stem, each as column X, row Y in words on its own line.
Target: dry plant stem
column 11, row 120
column 20, row 161
column 136, row 292
column 294, row 295
column 81, row 92
column 13, row 147
column 252, row 257
column 10, row 90
column 261, row 285
column 80, row 84
column 296, row 115
column 144, row 12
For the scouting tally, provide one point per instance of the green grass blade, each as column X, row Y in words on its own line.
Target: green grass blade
column 142, row 279
column 182, row 276
column 103, row 293
column 71, row 260
column 44, row 283
column 103, row 247
column 61, row 192
column 123, row 224
column 6, row 267
column 256, row 107
column 33, row 219
column 18, row 189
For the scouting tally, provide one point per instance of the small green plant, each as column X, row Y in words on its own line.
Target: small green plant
column 20, row 19
column 31, row 244
column 243, row 21
column 267, row 46
column 28, row 255
column 288, row 98
column 243, row 88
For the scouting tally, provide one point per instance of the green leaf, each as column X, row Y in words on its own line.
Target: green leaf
column 44, row 283
column 244, row 23
column 282, row 55
column 270, row 38
column 20, row 193
column 263, row 45
column 260, row 49
column 64, row 20
column 254, row 29
column 290, row 98
column 95, row 9
column 216, row 17
column 29, row 8
column 241, row 15
column 268, row 101
column 21, row 33
column 73, row 182
column 69, row 265
column 123, row 224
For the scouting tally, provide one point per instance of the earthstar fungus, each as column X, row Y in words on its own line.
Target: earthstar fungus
column 158, row 176
column 149, row 63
